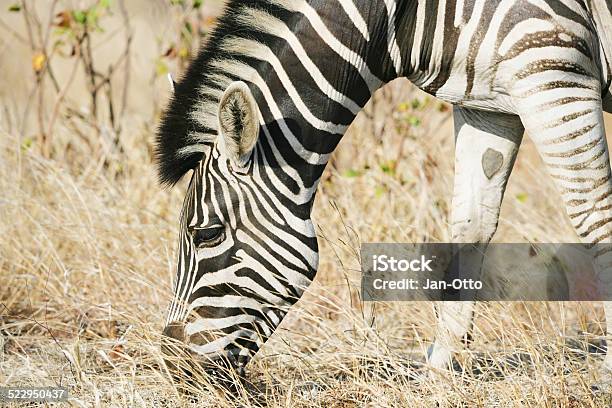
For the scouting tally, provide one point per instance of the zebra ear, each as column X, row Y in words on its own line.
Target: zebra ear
column 238, row 123
column 172, row 83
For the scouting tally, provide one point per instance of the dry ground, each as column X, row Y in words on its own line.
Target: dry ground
column 87, row 250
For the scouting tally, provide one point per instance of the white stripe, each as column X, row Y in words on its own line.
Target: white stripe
column 459, row 13
column 353, row 12
column 248, row 73
column 228, row 275
column 294, row 278
column 273, row 317
column 262, row 52
column 253, row 264
column 274, row 213
column 310, row 255
column 296, row 223
column 419, row 28
column 392, row 47
column 437, row 48
column 205, row 113
column 529, row 26
column 321, row 29
column 302, row 196
column 208, row 324
column 568, row 24
column 239, row 302
column 306, row 155
column 486, row 51
column 227, row 198
column 222, row 342
column 190, row 149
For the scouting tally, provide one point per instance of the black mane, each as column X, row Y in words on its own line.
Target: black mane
column 176, row 149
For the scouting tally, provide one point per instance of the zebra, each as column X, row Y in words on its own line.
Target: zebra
column 262, row 106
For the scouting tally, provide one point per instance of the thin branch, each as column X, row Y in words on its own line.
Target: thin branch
column 61, row 96
column 87, row 58
column 14, row 33
column 31, row 42
column 45, row 44
column 45, row 40
column 105, row 79
column 127, row 65
column 41, row 118
column 109, row 97
column 28, row 23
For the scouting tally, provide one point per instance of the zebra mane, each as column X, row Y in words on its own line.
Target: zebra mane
column 189, row 123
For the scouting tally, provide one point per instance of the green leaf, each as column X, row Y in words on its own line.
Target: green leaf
column 352, row 173
column 388, row 167
column 416, row 103
column 79, row 16
column 104, row 4
column 197, row 4
column 521, row 197
column 380, row 191
column 414, row 121
column 26, row 144
column 14, row 8
column 91, row 17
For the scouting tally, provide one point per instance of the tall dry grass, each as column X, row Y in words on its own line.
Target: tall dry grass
column 87, row 255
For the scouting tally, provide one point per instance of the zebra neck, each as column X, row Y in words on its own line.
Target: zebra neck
column 311, row 66
column 313, row 69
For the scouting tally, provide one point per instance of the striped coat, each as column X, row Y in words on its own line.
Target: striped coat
column 269, row 96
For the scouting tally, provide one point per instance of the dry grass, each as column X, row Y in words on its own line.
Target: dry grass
column 87, row 255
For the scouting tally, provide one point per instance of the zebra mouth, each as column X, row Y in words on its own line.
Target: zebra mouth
column 191, row 371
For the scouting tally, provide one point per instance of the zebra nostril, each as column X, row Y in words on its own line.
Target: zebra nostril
column 175, row 330
column 175, row 355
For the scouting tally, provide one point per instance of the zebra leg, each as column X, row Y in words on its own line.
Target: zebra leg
column 568, row 131
column 486, row 145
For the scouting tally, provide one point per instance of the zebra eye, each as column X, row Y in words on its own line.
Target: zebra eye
column 208, row 237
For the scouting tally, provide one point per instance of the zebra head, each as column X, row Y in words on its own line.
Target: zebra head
column 256, row 117
column 245, row 255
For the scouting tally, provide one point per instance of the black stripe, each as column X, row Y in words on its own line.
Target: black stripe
column 449, row 44
column 431, row 17
column 475, row 44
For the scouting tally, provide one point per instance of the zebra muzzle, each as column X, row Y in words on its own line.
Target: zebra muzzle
column 189, row 370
